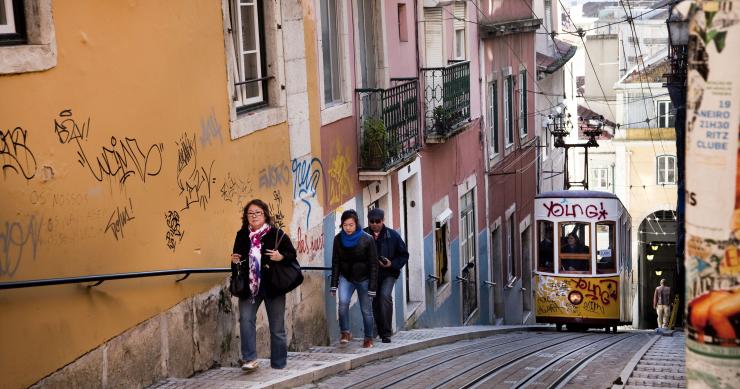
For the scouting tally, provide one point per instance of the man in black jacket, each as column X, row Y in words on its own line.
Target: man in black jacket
column 392, row 255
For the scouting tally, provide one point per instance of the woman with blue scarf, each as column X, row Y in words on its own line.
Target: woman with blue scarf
column 354, row 264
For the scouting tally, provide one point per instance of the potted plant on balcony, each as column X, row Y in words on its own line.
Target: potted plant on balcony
column 374, row 143
column 442, row 120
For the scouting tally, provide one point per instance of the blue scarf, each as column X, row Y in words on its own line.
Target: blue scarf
column 350, row 240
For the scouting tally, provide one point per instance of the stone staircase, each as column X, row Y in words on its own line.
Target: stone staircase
column 662, row 366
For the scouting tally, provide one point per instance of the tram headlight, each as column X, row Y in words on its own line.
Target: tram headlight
column 575, row 297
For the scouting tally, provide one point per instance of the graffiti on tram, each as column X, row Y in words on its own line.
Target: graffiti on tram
column 577, row 297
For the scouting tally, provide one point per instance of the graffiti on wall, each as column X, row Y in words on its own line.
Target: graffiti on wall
column 309, row 243
column 236, row 190
column 276, row 210
column 15, row 154
column 120, row 217
column 122, row 159
column 210, row 130
column 174, row 231
column 273, row 176
column 307, row 175
column 339, row 181
column 193, row 179
column 16, row 238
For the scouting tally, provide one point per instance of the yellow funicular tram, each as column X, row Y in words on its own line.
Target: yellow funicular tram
column 583, row 270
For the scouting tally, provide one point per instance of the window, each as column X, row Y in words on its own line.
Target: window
column 666, row 169
column 493, row 116
column 510, row 271
column 250, row 86
column 467, row 234
column 666, row 115
column 548, row 16
column 403, row 34
column 523, row 103
column 330, row 35
column 508, row 109
column 545, row 250
column 459, row 25
column 575, row 250
column 27, row 37
column 599, row 179
column 442, row 244
column 12, row 23
column 606, row 256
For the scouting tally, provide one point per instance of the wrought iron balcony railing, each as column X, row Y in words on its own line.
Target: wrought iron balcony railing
column 446, row 100
column 388, row 125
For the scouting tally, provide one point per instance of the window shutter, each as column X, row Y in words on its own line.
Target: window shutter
column 433, row 36
column 459, row 13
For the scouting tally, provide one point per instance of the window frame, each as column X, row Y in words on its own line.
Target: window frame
column 664, row 119
column 442, row 254
column 574, row 256
column 538, row 238
column 523, row 128
column 614, row 246
column 493, row 127
column 459, row 26
column 596, row 177
column 511, row 273
column 342, row 108
column 14, row 31
column 663, row 160
column 38, row 52
column 468, row 241
column 262, row 99
column 508, row 111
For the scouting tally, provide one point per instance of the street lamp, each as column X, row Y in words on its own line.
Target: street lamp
column 559, row 124
column 678, row 28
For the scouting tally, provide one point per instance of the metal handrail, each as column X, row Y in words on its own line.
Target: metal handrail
column 99, row 279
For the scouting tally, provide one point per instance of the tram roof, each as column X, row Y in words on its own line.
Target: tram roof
column 577, row 194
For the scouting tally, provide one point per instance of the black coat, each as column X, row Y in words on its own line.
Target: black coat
column 357, row 263
column 391, row 246
column 242, row 244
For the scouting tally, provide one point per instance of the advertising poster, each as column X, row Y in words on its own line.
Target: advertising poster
column 713, row 196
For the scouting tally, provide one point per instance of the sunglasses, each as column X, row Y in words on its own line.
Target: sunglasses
column 376, row 221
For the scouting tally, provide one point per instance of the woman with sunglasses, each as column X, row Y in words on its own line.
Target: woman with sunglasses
column 257, row 246
column 354, row 265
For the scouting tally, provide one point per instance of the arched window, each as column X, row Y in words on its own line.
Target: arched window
column 666, row 169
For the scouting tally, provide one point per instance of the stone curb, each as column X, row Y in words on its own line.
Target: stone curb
column 355, row 360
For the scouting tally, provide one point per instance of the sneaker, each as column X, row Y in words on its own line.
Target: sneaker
column 368, row 343
column 385, row 339
column 345, row 338
column 250, row 366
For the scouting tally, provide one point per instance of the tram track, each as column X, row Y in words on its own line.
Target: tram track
column 420, row 365
column 483, row 372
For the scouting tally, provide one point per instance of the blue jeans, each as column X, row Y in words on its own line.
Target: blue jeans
column 345, row 290
column 275, row 307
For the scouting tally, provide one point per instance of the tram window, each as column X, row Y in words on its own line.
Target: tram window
column 545, row 260
column 575, row 251
column 605, row 248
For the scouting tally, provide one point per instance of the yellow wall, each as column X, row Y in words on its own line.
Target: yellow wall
column 153, row 73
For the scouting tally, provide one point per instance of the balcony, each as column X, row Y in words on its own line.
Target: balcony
column 388, row 127
column 446, row 101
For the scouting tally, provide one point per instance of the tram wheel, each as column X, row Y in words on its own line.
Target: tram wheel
column 614, row 329
column 559, row 327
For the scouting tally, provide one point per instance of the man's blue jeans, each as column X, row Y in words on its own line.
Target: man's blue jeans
column 345, row 290
column 275, row 307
